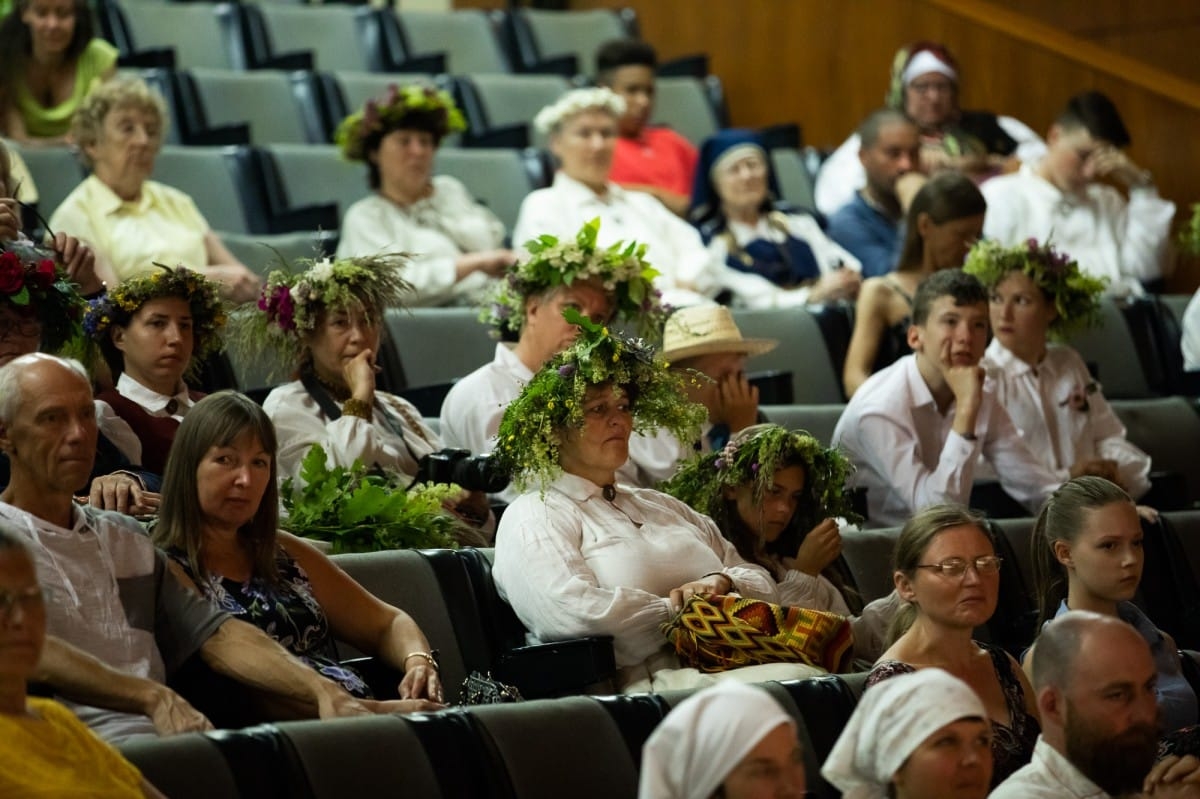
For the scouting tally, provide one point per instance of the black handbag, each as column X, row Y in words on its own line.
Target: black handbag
column 483, row 689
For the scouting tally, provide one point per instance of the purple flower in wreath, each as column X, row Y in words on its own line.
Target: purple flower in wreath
column 719, row 464
column 279, row 307
column 566, row 370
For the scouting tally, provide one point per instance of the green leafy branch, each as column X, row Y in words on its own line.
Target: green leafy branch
column 361, row 510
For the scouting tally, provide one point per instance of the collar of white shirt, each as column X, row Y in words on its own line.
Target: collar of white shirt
column 152, row 401
column 582, row 491
column 579, row 194
column 506, row 356
column 1004, row 359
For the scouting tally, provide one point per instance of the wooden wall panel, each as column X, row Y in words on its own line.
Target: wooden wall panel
column 824, row 64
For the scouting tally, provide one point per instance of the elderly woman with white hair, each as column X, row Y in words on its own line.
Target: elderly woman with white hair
column 924, row 735
column 731, row 740
column 582, row 131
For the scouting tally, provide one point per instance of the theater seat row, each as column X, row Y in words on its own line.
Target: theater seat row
column 583, row 747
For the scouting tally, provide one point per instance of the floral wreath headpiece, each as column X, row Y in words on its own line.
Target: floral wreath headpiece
column 387, row 113
column 1076, row 296
column 527, row 444
column 118, row 305
column 292, row 302
column 575, row 102
column 621, row 269
column 751, row 458
column 1189, row 237
column 33, row 282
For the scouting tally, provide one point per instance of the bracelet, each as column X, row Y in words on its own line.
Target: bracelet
column 430, row 657
column 356, row 407
column 720, row 574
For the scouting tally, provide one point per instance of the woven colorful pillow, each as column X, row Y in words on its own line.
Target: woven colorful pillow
column 718, row 633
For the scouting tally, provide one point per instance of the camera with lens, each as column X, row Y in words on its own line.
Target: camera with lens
column 459, row 466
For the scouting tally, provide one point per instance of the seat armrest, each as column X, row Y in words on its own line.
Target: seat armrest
column 382, row 679
column 559, row 667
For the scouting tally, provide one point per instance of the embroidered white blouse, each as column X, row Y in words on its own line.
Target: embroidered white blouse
column 395, row 438
column 436, row 230
column 573, row 564
column 1047, row 405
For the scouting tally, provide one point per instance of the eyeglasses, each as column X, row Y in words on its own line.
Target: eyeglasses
column 957, row 567
column 27, row 600
column 931, row 86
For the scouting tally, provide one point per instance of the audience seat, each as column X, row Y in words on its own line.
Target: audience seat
column 560, row 747
column 500, row 109
column 55, row 170
column 199, row 34
column 801, row 351
column 405, row 579
column 329, row 37
column 188, row 766
column 825, row 705
column 1171, row 308
column 1167, row 429
column 796, row 183
column 687, row 105
column 868, row 553
column 463, row 343
column 208, row 176
column 372, row 756
column 309, row 176
column 466, row 37
column 342, row 93
column 818, row 420
column 263, row 98
column 567, row 39
column 1120, row 349
column 500, row 179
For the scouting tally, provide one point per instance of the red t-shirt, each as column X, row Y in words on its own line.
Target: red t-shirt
column 658, row 157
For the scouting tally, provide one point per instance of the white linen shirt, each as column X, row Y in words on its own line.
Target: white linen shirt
column 436, row 230
column 755, row 291
column 473, row 408
column 1190, row 343
column 573, row 564
column 300, row 423
column 1109, row 237
column 1040, row 403
column 673, row 247
column 908, row 456
column 1048, row 775
column 842, row 173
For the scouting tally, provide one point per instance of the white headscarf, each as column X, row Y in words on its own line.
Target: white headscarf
column 704, row 738
column 892, row 719
column 925, row 62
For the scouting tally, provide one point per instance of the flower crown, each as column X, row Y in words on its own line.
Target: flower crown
column 1076, row 296
column 621, row 269
column 118, row 305
column 1189, row 237
column 32, row 280
column 387, row 113
column 751, row 458
column 292, row 302
column 527, row 443
column 577, row 101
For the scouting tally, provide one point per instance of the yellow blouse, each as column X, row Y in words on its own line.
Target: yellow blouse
column 162, row 226
column 51, row 753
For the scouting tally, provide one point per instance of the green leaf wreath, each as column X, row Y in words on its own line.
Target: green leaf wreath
column 361, row 510
column 1075, row 295
column 527, row 444
column 751, row 458
column 1189, row 237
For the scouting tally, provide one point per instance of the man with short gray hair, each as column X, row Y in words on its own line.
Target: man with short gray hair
column 120, row 620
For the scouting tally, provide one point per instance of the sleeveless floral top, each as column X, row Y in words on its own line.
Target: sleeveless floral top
column 1012, row 745
column 288, row 612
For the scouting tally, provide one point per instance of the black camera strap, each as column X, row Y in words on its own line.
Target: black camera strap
column 317, row 390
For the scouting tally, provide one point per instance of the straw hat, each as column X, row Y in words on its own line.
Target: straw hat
column 706, row 330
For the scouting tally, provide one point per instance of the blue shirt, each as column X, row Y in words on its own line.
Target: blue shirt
column 870, row 236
